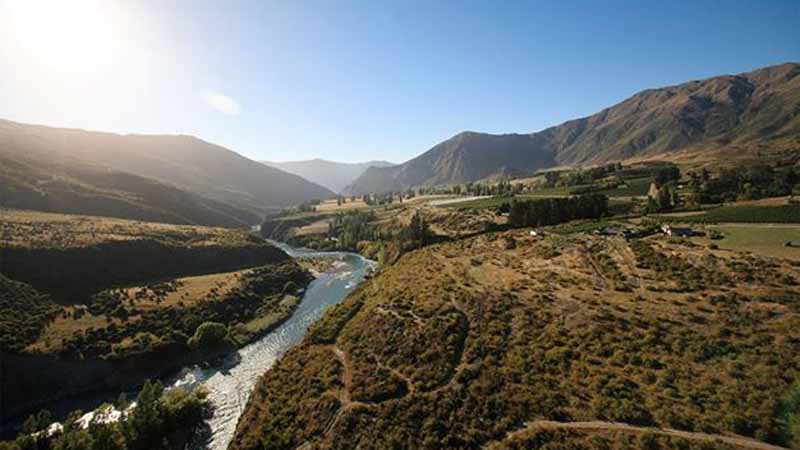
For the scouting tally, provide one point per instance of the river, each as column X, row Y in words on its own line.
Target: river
column 229, row 384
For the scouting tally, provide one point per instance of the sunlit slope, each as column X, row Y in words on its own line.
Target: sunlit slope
column 490, row 340
column 186, row 162
column 77, row 187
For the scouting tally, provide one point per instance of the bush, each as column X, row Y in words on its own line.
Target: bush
column 209, row 335
column 789, row 417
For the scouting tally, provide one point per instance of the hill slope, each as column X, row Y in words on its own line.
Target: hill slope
column 81, row 188
column 754, row 108
column 504, row 330
column 183, row 161
column 331, row 174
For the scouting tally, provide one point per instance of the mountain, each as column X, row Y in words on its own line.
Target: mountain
column 752, row 109
column 81, row 188
column 331, row 174
column 185, row 162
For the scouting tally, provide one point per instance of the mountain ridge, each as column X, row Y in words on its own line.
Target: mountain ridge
column 185, row 162
column 752, row 107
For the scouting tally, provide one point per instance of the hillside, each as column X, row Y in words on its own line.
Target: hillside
column 90, row 304
column 511, row 341
column 749, row 112
column 81, row 188
column 185, row 162
column 52, row 251
column 330, row 174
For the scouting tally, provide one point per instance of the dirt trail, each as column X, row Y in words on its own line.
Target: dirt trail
column 602, row 284
column 344, row 397
column 630, row 260
column 737, row 441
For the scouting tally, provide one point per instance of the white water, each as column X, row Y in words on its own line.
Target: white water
column 230, row 385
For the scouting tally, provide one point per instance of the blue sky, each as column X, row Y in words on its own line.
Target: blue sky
column 355, row 81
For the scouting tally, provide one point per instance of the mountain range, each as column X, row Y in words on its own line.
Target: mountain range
column 169, row 178
column 330, row 174
column 746, row 111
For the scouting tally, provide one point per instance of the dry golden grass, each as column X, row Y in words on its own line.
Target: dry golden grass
column 476, row 336
column 32, row 229
column 66, row 327
column 188, row 291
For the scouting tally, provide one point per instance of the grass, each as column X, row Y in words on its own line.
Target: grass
column 761, row 239
column 789, row 213
column 503, row 328
column 51, row 252
column 266, row 322
column 635, row 187
column 32, row 229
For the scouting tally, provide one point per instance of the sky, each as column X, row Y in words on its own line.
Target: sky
column 356, row 81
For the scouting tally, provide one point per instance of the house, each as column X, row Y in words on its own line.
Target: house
column 669, row 230
column 654, row 191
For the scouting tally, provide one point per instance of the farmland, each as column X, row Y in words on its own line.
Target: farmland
column 787, row 213
column 766, row 240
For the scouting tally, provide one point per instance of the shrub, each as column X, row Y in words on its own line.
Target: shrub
column 209, row 335
column 789, row 417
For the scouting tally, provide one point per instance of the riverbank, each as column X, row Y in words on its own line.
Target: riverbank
column 229, row 375
column 151, row 345
column 230, row 384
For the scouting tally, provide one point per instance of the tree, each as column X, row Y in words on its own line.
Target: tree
column 789, row 417
column 209, row 335
column 668, row 174
column 147, row 419
column 417, row 233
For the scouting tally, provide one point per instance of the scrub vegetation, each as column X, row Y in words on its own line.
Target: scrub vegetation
column 514, row 341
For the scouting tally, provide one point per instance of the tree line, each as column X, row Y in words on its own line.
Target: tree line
column 552, row 211
column 160, row 420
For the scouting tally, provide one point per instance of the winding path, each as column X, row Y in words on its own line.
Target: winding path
column 596, row 425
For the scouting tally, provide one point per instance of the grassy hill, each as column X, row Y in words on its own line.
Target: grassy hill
column 72, row 257
column 751, row 113
column 510, row 341
column 81, row 188
column 185, row 162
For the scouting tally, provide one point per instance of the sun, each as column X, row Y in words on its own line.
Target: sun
column 68, row 38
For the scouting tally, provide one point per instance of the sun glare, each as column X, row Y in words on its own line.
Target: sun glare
column 73, row 39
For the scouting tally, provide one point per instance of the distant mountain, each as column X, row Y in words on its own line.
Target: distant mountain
column 333, row 175
column 184, row 162
column 752, row 109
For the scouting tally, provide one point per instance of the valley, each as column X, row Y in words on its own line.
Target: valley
column 625, row 280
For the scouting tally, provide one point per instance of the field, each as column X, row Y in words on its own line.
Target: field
column 636, row 188
column 511, row 341
column 748, row 213
column 766, row 240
